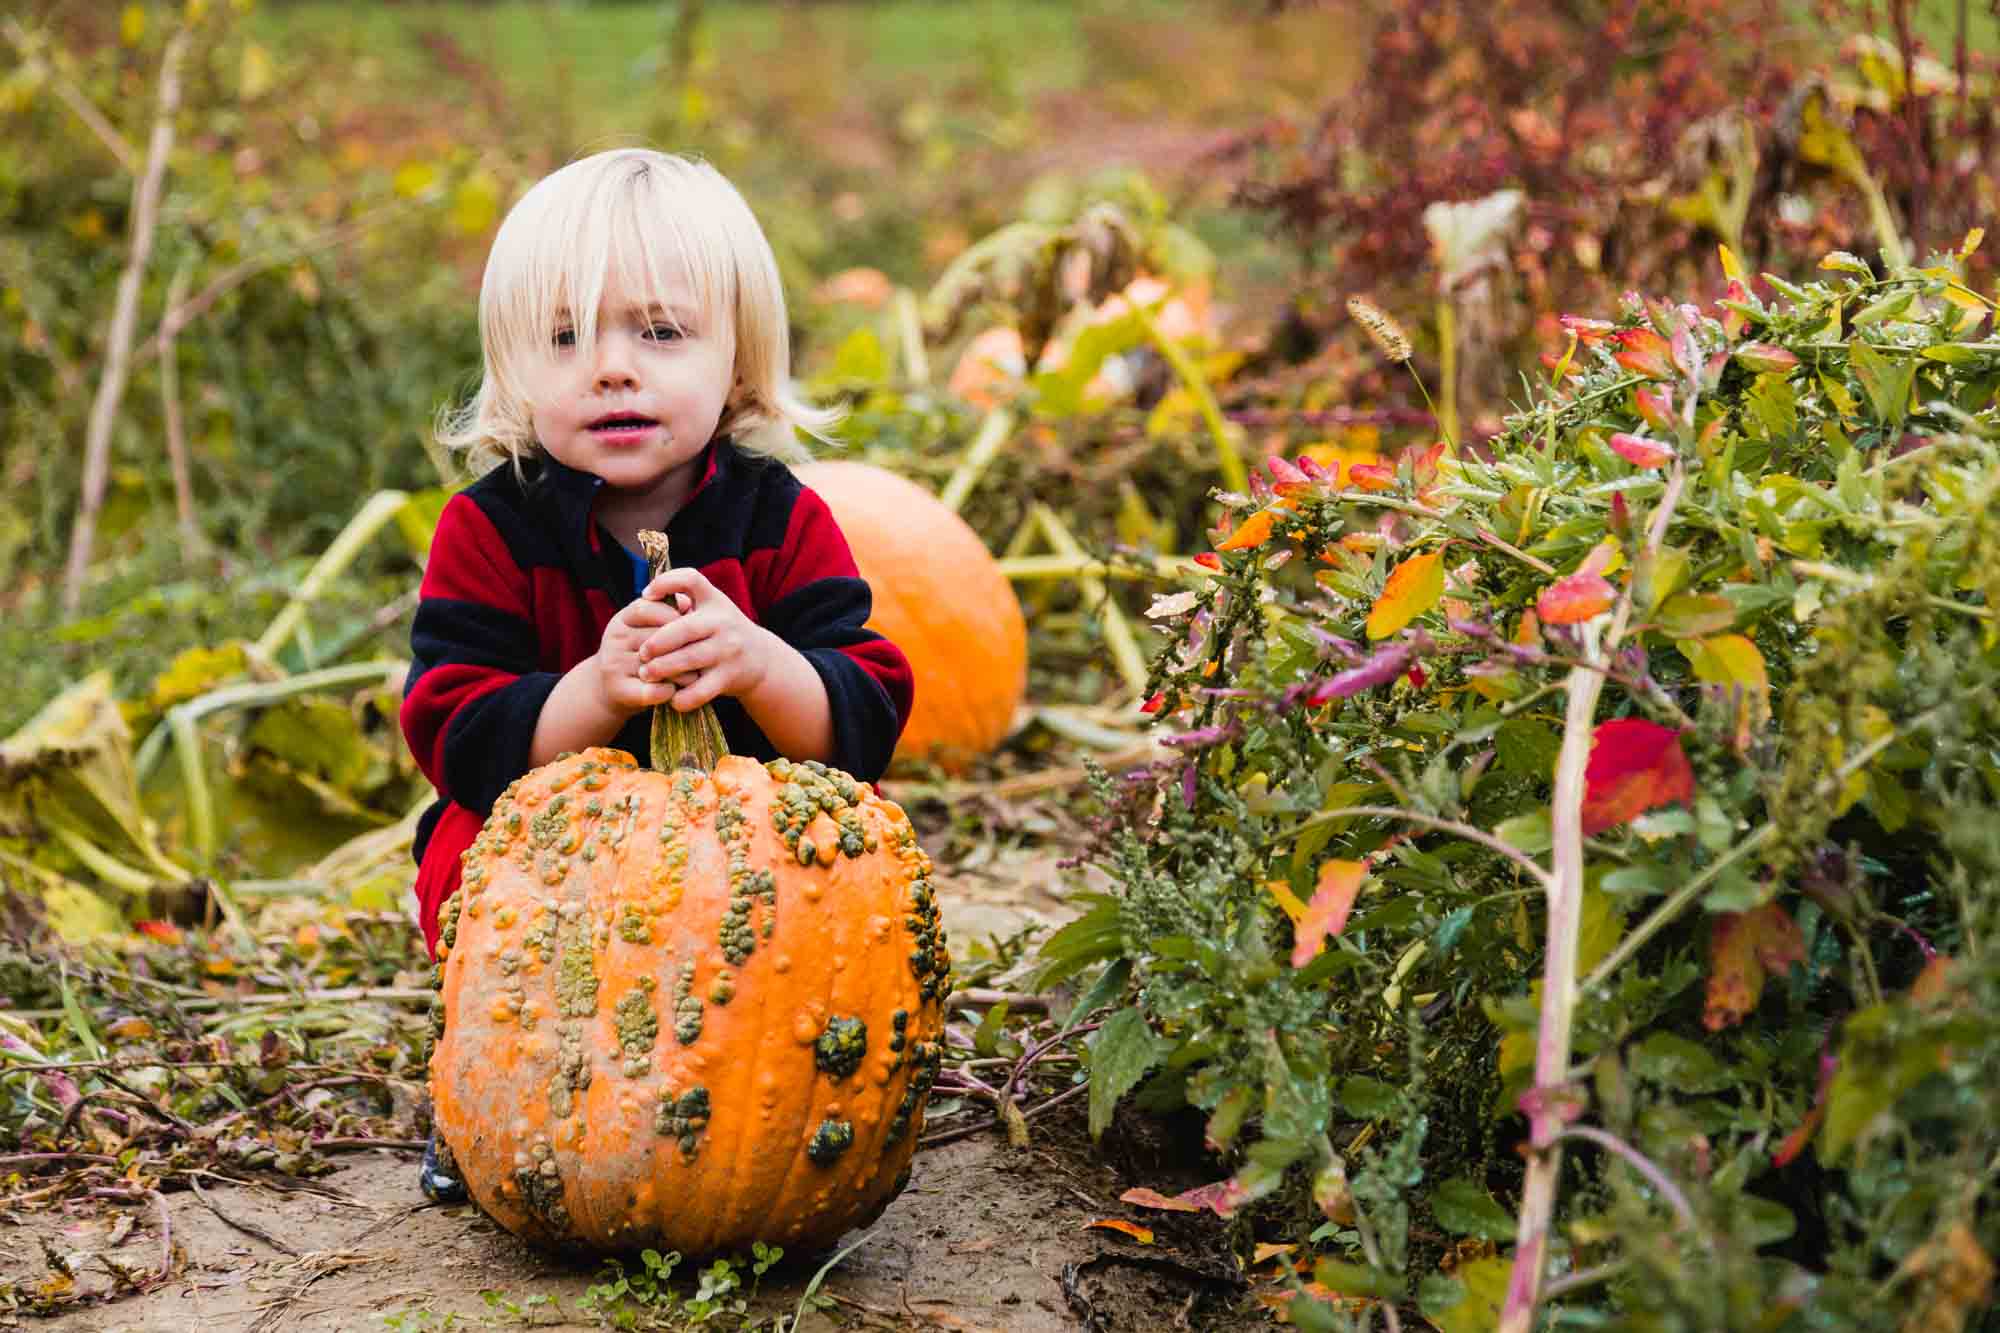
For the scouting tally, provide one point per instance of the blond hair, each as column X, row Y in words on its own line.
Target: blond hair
column 632, row 210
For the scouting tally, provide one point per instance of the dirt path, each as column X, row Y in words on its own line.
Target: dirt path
column 987, row 1237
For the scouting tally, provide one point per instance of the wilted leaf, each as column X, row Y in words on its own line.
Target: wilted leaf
column 1950, row 1278
column 1414, row 587
column 1145, row 1198
column 1143, row 1235
column 69, row 774
column 1742, row 948
column 1634, row 766
column 1333, row 898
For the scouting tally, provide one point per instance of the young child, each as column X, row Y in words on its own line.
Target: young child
column 636, row 364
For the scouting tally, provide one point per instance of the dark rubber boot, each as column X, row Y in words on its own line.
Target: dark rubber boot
column 438, row 1177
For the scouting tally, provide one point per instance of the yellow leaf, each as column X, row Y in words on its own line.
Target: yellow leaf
column 257, row 73
column 1478, row 1311
column 415, row 178
column 1414, row 587
column 1732, row 267
column 1333, row 898
column 1972, row 240
column 1731, row 660
column 132, row 24
column 1286, row 899
column 1252, row 532
column 475, row 205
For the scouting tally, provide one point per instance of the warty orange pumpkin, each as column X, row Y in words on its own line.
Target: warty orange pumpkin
column 941, row 597
column 688, row 1007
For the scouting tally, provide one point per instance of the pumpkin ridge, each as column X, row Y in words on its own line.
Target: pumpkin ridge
column 801, row 1177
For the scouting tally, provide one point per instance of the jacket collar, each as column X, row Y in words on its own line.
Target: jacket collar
column 570, row 493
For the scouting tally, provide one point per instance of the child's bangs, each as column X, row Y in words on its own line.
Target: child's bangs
column 652, row 246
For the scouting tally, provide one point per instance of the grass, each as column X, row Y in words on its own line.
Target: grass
column 596, row 60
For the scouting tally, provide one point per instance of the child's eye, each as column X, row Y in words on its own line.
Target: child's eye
column 661, row 333
column 565, row 338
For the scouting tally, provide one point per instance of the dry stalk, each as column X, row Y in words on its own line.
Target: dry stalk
column 124, row 320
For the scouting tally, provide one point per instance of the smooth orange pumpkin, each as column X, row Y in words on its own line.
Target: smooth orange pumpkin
column 941, row 598
column 688, row 1007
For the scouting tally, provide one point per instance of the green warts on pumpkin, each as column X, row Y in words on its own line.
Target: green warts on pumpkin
column 737, row 937
column 576, row 969
column 638, row 1028
column 540, row 1183
column 682, row 1117
column 572, row 1068
column 829, row 1141
column 841, row 1046
column 687, row 1006
column 928, row 1058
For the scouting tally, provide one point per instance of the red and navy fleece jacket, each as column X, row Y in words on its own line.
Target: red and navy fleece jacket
column 522, row 580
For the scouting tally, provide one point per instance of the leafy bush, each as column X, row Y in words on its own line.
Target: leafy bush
column 1679, row 697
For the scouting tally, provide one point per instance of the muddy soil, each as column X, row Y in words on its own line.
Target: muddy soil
column 987, row 1237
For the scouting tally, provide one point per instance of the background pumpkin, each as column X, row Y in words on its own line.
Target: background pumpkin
column 941, row 598
column 688, row 1007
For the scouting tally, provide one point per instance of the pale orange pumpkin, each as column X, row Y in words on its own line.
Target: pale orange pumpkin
column 939, row 596
column 688, row 1007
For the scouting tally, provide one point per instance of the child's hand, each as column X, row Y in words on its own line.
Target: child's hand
column 710, row 650
column 626, row 688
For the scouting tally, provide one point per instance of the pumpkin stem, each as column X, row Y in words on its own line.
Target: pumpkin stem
column 680, row 740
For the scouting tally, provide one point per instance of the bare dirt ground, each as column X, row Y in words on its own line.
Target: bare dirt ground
column 987, row 1237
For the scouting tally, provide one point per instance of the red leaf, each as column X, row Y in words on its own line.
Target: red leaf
column 1634, row 766
column 1209, row 560
column 1587, row 330
column 164, row 931
column 1644, row 352
column 1372, row 476
column 1655, row 407
column 1764, row 357
column 1333, row 898
column 1742, row 948
column 1573, row 598
column 1640, row 451
column 1223, row 1197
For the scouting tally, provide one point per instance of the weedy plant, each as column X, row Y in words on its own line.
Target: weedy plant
column 1578, row 867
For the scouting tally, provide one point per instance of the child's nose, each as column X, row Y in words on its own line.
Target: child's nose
column 614, row 364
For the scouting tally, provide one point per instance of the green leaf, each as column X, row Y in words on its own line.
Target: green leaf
column 1092, row 938
column 1110, row 984
column 1530, row 833
column 1464, row 1208
column 1356, row 1280
column 1886, row 381
column 1369, row 1098
column 1526, row 747
column 1675, row 1062
column 1769, row 1221
column 1695, row 615
column 1121, row 1053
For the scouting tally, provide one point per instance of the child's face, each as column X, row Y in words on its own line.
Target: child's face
column 637, row 409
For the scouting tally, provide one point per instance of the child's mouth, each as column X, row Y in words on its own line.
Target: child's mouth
column 622, row 428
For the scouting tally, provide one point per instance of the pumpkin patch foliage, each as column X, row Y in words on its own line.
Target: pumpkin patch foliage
column 1573, row 898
